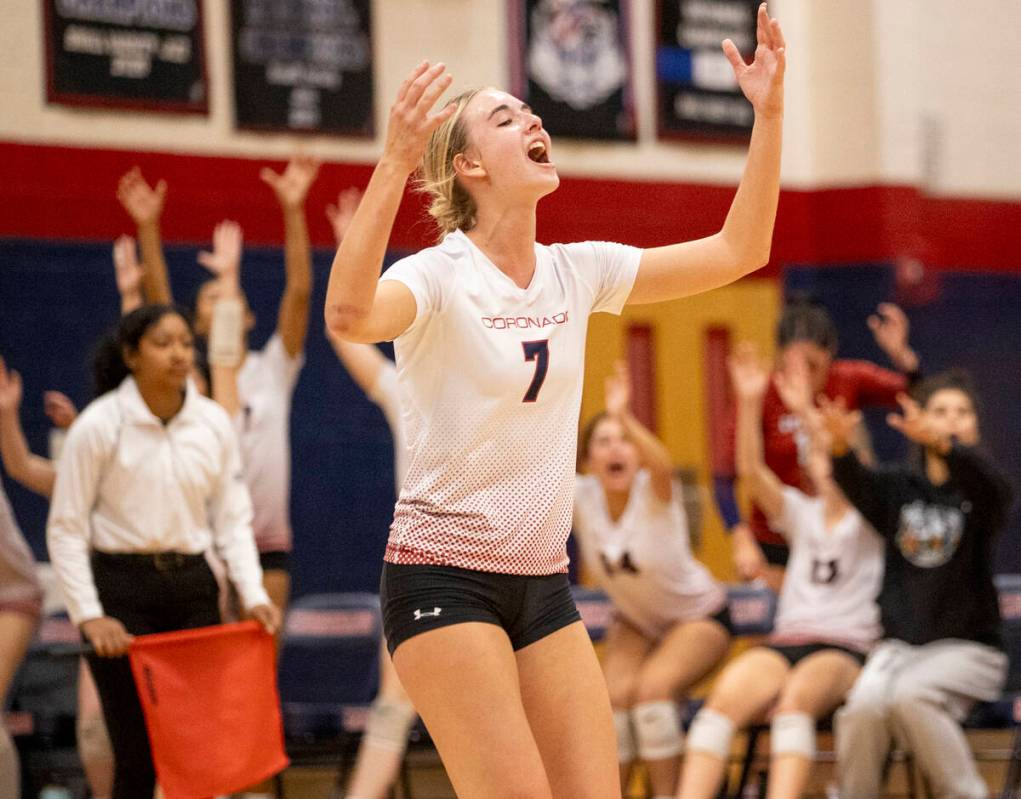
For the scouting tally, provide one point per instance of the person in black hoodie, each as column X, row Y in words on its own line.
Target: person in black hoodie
column 941, row 650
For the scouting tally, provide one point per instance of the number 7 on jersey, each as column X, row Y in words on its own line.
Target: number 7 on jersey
column 537, row 351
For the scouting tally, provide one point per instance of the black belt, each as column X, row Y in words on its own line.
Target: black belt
column 160, row 561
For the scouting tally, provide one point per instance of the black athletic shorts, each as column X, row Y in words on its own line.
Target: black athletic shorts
column 275, row 561
column 776, row 554
column 795, row 654
column 722, row 616
column 417, row 599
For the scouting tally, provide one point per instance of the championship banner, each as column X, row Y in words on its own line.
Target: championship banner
column 127, row 54
column 303, row 65
column 570, row 61
column 698, row 95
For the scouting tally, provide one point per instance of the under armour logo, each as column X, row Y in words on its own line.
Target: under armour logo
column 421, row 614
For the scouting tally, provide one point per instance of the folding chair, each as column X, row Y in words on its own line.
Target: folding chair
column 329, row 675
column 1007, row 711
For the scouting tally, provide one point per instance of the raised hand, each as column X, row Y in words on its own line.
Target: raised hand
column 890, row 328
column 128, row 273
column 292, row 186
column 914, row 425
column 10, row 389
column 618, row 390
column 410, row 124
column 794, row 384
column 59, row 408
column 341, row 214
column 838, row 423
column 225, row 259
column 762, row 80
column 748, row 373
column 143, row 203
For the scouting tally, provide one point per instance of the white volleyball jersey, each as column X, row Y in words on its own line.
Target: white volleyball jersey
column 266, row 383
column 490, row 379
column 643, row 560
column 833, row 577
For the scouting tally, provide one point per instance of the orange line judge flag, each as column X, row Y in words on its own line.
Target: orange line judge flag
column 211, row 706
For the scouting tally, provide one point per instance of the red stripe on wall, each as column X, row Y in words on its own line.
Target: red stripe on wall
column 67, row 192
column 641, row 359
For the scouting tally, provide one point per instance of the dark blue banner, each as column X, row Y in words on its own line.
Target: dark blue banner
column 570, row 61
column 698, row 95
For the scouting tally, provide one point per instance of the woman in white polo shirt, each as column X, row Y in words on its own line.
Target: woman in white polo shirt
column 266, row 378
column 149, row 479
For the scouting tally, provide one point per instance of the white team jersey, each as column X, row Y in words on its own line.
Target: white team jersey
column 490, row 379
column 385, row 393
column 266, row 383
column 833, row 577
column 643, row 560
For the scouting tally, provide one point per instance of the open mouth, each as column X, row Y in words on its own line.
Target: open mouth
column 615, row 468
column 537, row 153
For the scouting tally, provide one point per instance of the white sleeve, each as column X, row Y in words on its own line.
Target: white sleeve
column 609, row 269
column 384, row 394
column 231, row 515
column 68, row 528
column 284, row 367
column 793, row 515
column 420, row 274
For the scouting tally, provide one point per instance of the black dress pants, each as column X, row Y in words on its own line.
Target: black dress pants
column 151, row 593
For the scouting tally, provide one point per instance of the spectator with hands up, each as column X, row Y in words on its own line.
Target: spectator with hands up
column 942, row 651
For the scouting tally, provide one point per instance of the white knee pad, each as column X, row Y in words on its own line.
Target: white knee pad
column 93, row 740
column 389, row 724
column 657, row 728
column 793, row 734
column 711, row 732
column 625, row 738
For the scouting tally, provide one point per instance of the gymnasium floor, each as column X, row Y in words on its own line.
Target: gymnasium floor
column 429, row 782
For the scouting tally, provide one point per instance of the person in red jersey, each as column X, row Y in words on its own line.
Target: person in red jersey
column 807, row 342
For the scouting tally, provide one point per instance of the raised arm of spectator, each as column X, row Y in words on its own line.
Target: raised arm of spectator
column 128, row 273
column 743, row 243
column 891, row 329
column 226, row 347
column 32, row 471
column 653, row 453
column 750, row 379
column 144, row 204
column 291, row 189
column 866, row 488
